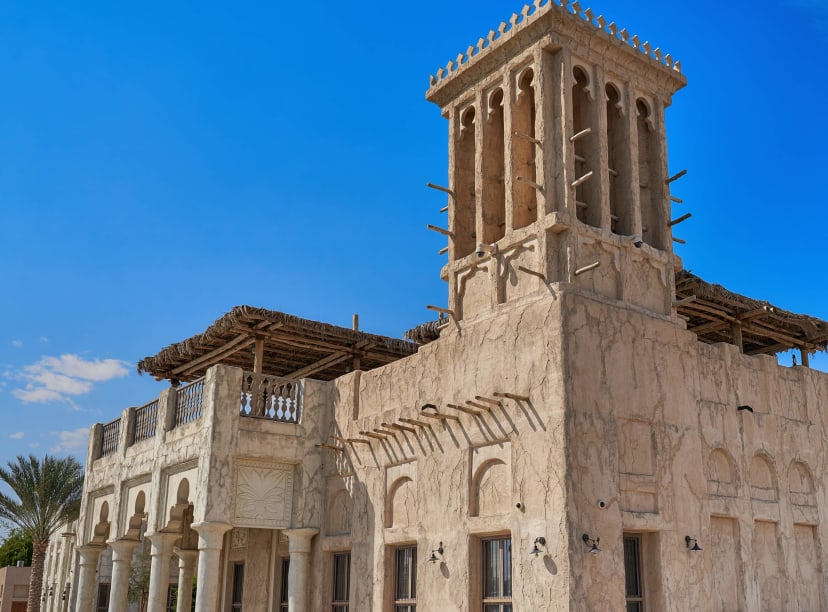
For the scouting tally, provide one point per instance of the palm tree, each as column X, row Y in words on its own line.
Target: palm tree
column 49, row 494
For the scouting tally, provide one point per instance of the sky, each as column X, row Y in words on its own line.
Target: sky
column 161, row 163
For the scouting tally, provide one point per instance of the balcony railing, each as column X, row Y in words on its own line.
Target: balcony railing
column 270, row 397
column 146, row 418
column 189, row 403
column 109, row 438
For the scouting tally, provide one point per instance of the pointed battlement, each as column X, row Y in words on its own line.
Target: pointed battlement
column 532, row 14
column 558, row 164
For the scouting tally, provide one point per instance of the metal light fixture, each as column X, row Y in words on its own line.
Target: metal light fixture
column 438, row 551
column 541, row 541
column 695, row 547
column 592, row 543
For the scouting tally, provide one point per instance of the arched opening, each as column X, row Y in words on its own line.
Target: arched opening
column 400, row 503
column 763, row 483
column 587, row 199
column 463, row 223
column 494, row 181
column 618, row 164
column 489, row 494
column 524, row 174
column 653, row 225
column 722, row 479
column 338, row 520
column 801, row 485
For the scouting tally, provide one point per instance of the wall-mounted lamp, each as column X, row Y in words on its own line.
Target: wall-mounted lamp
column 536, row 547
column 438, row 551
column 695, row 547
column 592, row 543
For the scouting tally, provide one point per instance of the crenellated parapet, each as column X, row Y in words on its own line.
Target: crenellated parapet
column 531, row 13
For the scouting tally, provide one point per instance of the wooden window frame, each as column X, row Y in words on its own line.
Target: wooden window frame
column 341, row 605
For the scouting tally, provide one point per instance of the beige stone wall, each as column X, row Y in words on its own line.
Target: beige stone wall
column 655, row 432
column 457, row 480
column 14, row 586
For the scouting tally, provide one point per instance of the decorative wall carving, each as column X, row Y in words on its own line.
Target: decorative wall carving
column 264, row 494
column 238, row 537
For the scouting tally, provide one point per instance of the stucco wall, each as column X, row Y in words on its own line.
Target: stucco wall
column 656, row 433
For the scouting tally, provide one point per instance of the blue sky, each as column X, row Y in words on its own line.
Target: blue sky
column 163, row 162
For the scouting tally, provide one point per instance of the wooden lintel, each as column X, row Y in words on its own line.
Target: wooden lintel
column 415, row 422
column 440, row 417
column 331, row 447
column 384, row 430
column 483, row 398
column 317, row 366
column 711, row 326
column 512, row 396
column 400, row 427
column 478, row 405
column 464, row 409
column 372, row 435
column 238, row 343
column 760, row 330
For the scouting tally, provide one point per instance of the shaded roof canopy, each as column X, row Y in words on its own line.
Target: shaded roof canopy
column 292, row 347
column 765, row 329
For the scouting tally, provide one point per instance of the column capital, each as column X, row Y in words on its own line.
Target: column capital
column 187, row 557
column 299, row 540
column 122, row 549
column 89, row 553
column 211, row 534
column 161, row 542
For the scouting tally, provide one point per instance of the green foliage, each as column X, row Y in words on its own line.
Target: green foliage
column 139, row 578
column 16, row 547
column 48, row 494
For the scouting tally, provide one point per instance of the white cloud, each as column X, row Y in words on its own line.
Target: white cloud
column 18, row 435
column 44, row 339
column 32, row 395
column 77, row 367
column 34, row 444
column 17, row 343
column 72, row 441
column 53, row 379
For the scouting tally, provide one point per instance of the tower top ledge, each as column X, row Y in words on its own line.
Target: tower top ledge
column 530, row 14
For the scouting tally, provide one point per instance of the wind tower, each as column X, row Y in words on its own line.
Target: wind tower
column 558, row 164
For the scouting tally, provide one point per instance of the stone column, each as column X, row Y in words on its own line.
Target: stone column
column 121, row 566
column 161, row 548
column 186, row 569
column 210, row 543
column 299, row 544
column 87, row 566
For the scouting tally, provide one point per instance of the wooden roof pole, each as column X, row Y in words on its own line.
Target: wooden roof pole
column 736, row 331
column 258, row 355
column 357, row 365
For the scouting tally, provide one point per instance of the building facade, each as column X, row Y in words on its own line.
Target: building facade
column 587, row 426
column 14, row 588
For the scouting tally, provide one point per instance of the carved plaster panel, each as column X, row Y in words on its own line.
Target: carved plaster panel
column 263, row 494
column 238, row 537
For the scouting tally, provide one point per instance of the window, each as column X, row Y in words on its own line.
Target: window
column 283, row 590
column 341, row 582
column 238, row 587
column 103, row 597
column 405, row 579
column 632, row 572
column 497, row 575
